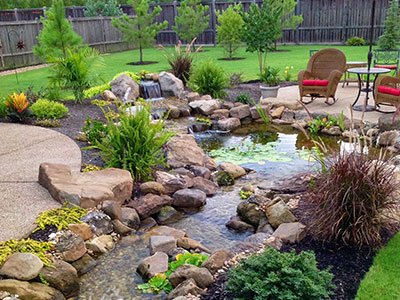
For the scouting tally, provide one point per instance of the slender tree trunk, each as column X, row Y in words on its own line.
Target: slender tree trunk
column 230, row 51
column 141, row 53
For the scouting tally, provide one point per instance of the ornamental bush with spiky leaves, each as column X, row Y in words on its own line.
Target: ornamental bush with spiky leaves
column 391, row 35
column 57, row 35
column 141, row 30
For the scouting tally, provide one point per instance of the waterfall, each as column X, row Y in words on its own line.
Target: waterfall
column 150, row 90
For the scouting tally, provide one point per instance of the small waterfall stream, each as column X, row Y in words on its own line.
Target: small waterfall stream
column 150, row 90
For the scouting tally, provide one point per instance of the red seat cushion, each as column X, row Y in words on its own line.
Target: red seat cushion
column 388, row 90
column 391, row 67
column 315, row 82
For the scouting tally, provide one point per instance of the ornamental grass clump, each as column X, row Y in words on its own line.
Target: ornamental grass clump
column 273, row 275
column 354, row 198
column 40, row 249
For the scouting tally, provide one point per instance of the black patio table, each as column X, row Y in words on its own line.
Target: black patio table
column 364, row 71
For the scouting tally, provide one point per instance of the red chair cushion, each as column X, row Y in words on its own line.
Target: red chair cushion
column 388, row 90
column 391, row 67
column 315, row 82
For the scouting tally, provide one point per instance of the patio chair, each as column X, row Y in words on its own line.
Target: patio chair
column 387, row 91
column 388, row 59
column 320, row 80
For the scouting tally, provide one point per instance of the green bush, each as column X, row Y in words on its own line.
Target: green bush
column 355, row 41
column 391, row 34
column 273, row 275
column 208, row 78
column 3, row 108
column 94, row 131
column 270, row 76
column 96, row 90
column 133, row 142
column 46, row 109
column 244, row 98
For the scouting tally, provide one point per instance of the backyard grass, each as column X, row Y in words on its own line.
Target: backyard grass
column 296, row 56
column 383, row 278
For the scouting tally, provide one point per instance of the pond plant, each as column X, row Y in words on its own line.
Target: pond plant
column 317, row 124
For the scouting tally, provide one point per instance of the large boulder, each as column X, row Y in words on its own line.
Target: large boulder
column 130, row 217
column 99, row 222
column 187, row 287
column 85, row 189
column 168, row 231
column 152, row 187
column 249, row 213
column 172, row 182
column 388, row 138
column 205, row 185
column 278, row 213
column 228, row 124
column 223, row 178
column 167, row 215
column 63, row 277
column 22, row 266
column 240, row 112
column 149, row 205
column 125, row 88
column 201, row 276
column 290, row 232
column 189, row 198
column 257, row 238
column 205, row 107
column 237, row 224
column 162, row 243
column 182, row 150
column 170, row 85
column 71, row 246
column 30, row 291
column 152, row 265
column 234, row 170
column 201, row 172
column 217, row 260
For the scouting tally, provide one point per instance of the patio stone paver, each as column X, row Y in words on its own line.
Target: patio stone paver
column 346, row 97
column 22, row 149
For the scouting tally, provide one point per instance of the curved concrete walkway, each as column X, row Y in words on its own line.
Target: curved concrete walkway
column 22, row 149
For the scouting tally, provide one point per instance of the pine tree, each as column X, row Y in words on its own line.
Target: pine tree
column 57, row 35
column 105, row 8
column 230, row 28
column 391, row 35
column 191, row 20
column 140, row 29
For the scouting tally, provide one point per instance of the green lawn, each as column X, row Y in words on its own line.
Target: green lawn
column 296, row 56
column 382, row 282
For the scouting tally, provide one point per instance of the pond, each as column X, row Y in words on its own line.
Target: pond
column 274, row 153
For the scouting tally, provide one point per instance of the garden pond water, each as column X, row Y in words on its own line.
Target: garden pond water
column 274, row 153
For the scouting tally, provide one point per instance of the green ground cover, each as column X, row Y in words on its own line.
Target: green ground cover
column 296, row 56
column 383, row 278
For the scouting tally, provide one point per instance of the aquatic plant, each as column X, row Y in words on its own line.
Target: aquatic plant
column 40, row 249
column 195, row 259
column 156, row 284
column 204, row 120
column 319, row 123
column 60, row 217
column 245, row 194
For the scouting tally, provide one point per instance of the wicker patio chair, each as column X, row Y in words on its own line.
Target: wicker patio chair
column 320, row 80
column 387, row 91
column 388, row 59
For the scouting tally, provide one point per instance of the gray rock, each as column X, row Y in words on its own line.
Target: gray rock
column 101, row 244
column 85, row 264
column 201, row 276
column 148, row 205
column 234, row 170
column 205, row 107
column 278, row 214
column 167, row 215
column 130, row 217
column 257, row 238
column 249, row 213
column 99, row 222
column 30, row 291
column 219, row 114
column 152, row 187
column 168, row 231
column 121, row 228
column 71, row 246
column 228, row 124
column 63, row 277
column 182, row 150
column 152, row 265
column 205, row 185
column 82, row 229
column 240, row 112
column 264, row 226
column 22, row 266
column 201, row 172
column 171, row 182
column 112, row 209
column 162, row 243
column 185, row 288
column 173, row 112
column 334, row 131
column 147, row 224
column 290, row 232
column 121, row 85
column 189, row 198
column 170, row 85
column 239, row 247
column 388, row 138
column 237, row 224
column 217, row 260
column 387, row 123
column 255, row 115
column 191, row 244
column 223, row 178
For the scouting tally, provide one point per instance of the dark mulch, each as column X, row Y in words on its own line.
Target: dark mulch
column 231, row 58
column 42, row 235
column 142, row 63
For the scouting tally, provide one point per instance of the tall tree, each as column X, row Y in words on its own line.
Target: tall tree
column 391, row 34
column 230, row 28
column 192, row 19
column 57, row 35
column 261, row 27
column 140, row 29
column 105, row 8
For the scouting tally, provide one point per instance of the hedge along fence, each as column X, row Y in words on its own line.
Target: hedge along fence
column 325, row 22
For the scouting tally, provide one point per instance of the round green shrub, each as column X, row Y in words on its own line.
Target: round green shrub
column 355, row 41
column 208, row 78
column 46, row 109
column 3, row 108
column 273, row 275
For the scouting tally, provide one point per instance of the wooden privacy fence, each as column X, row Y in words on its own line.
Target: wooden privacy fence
column 325, row 22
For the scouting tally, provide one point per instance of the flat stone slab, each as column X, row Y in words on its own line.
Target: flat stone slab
column 22, row 149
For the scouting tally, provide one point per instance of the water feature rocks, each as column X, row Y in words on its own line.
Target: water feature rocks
column 85, row 189
column 217, row 260
column 162, row 243
column 278, row 213
column 290, row 232
column 22, row 266
column 387, row 138
column 249, row 213
column 386, row 122
column 237, row 224
column 152, row 187
column 223, row 178
column 84, row 264
column 205, row 107
column 232, row 169
column 82, row 229
column 173, row 112
column 192, row 96
column 277, row 113
column 130, row 217
column 189, row 198
column 255, row 115
column 201, row 276
column 63, row 277
column 191, row 244
column 149, row 205
column 121, row 228
column 185, row 288
column 257, row 238
column 31, row 291
column 152, row 265
column 112, row 209
column 99, row 222
column 228, row 124
column 219, row 114
column 168, row 231
column 333, row 130
column 201, row 172
column 171, row 182
column 147, row 224
column 107, row 95
column 166, row 215
column 101, row 244
column 71, row 246
column 205, row 185
column 170, row 84
column 240, row 112
column 125, row 88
